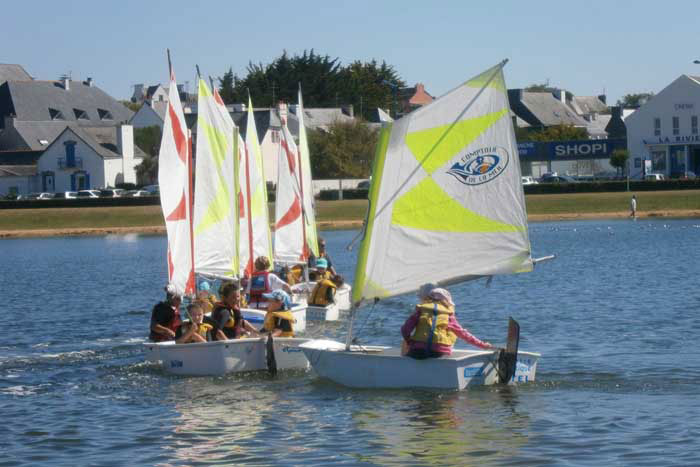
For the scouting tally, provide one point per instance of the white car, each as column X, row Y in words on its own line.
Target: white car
column 66, row 194
column 528, row 180
column 654, row 177
column 112, row 193
column 88, row 194
column 137, row 193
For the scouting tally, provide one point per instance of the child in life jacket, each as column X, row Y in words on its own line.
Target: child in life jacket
column 263, row 282
column 278, row 319
column 432, row 330
column 324, row 292
column 195, row 330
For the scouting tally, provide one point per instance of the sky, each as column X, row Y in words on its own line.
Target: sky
column 586, row 47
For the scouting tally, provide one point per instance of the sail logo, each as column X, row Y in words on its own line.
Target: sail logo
column 480, row 166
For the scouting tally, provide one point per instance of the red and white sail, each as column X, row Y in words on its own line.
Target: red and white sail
column 290, row 241
column 175, row 180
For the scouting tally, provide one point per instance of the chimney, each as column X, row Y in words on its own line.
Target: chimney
column 66, row 83
column 125, row 147
column 603, row 98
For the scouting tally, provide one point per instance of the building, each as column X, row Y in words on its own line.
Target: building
column 62, row 135
column 150, row 114
column 662, row 135
column 409, row 99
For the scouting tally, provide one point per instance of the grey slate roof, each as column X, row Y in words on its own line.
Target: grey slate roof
column 31, row 101
column 19, row 158
column 17, row 170
column 35, row 132
column 10, row 72
column 550, row 111
column 584, row 105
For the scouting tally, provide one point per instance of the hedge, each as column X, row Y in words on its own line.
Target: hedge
column 611, row 186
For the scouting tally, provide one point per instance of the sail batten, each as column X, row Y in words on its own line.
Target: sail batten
column 446, row 201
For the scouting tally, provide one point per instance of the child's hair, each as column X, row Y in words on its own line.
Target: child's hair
column 194, row 305
column 262, row 263
column 229, row 287
column 338, row 280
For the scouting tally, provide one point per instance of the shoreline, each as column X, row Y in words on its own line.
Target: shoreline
column 342, row 224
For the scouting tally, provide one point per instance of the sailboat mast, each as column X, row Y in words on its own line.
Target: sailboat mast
column 190, row 205
column 251, row 260
column 305, row 247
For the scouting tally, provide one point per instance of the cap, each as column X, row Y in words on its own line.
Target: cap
column 204, row 285
column 279, row 296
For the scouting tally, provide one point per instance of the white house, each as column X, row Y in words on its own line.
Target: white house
column 150, row 114
column 664, row 130
column 89, row 157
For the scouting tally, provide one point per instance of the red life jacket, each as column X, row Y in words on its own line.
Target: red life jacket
column 259, row 284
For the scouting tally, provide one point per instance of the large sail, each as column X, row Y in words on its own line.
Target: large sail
column 305, row 186
column 255, row 227
column 175, row 180
column 289, row 226
column 215, row 199
column 446, row 201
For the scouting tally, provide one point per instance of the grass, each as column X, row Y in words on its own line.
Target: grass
column 348, row 210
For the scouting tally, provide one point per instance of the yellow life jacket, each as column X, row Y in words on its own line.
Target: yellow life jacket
column 269, row 323
column 295, row 275
column 319, row 295
column 441, row 335
column 325, row 275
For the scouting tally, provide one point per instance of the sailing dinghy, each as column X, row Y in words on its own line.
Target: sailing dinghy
column 446, row 206
column 216, row 236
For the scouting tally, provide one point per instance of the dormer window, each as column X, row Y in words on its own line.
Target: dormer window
column 105, row 114
column 81, row 114
column 56, row 114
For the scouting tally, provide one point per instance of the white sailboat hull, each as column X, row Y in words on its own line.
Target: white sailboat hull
column 222, row 357
column 384, row 367
column 256, row 317
column 323, row 313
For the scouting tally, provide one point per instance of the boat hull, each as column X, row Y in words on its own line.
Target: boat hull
column 221, row 357
column 323, row 313
column 257, row 317
column 384, row 367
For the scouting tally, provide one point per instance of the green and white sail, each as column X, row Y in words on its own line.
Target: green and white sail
column 215, row 198
column 305, row 183
column 446, row 201
column 255, row 225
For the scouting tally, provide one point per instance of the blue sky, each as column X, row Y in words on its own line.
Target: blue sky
column 586, row 47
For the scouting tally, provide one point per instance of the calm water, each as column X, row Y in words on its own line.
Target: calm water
column 616, row 317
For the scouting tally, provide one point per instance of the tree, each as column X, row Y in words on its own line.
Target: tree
column 134, row 106
column 553, row 133
column 345, row 150
column 634, row 100
column 148, row 140
column 541, row 87
column 618, row 159
column 227, row 85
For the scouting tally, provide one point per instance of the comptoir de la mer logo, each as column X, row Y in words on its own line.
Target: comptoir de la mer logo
column 480, row 166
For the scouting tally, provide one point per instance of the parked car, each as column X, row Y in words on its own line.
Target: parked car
column 557, row 179
column 654, row 177
column 137, row 193
column 88, row 194
column 45, row 196
column 689, row 175
column 28, row 196
column 152, row 189
column 112, row 193
column 65, row 195
column 363, row 185
column 528, row 180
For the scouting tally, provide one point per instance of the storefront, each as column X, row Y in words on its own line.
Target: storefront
column 664, row 131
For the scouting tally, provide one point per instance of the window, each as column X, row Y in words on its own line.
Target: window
column 81, row 114
column 694, row 124
column 56, row 114
column 70, row 153
column 658, row 161
column 657, row 127
column 105, row 114
column 676, row 125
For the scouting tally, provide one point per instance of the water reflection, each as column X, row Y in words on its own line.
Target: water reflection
column 464, row 428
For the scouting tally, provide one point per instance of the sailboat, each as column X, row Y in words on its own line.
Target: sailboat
column 296, row 236
column 255, row 226
column 446, row 206
column 214, row 239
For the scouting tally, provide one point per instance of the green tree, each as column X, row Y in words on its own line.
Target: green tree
column 538, row 87
column 227, row 84
column 148, row 140
column 134, row 106
column 552, row 133
column 345, row 150
column 618, row 159
column 369, row 85
column 634, row 100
